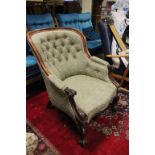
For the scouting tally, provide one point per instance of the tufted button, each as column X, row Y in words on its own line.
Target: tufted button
column 53, row 54
column 48, row 38
column 60, row 50
column 78, row 49
column 72, row 43
column 59, row 59
column 47, row 47
column 53, row 63
column 65, row 36
column 66, row 57
column 42, row 40
column 56, row 37
column 68, row 50
column 62, row 44
column 74, row 56
column 54, row 45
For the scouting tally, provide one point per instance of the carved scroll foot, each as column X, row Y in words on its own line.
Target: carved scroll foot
column 82, row 131
column 49, row 105
column 82, row 142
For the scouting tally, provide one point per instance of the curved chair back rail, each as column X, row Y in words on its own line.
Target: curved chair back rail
column 37, row 53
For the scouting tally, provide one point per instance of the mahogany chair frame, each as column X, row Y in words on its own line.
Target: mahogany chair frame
column 81, row 117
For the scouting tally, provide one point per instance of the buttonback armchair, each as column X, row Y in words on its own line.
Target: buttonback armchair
column 77, row 83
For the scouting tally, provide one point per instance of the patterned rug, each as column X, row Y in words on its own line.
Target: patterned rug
column 35, row 143
column 108, row 133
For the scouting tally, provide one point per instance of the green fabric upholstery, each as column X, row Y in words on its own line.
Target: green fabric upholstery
column 57, row 82
column 62, row 52
column 99, row 61
column 93, row 95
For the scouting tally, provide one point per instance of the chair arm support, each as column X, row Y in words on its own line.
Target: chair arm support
column 99, row 61
column 97, row 70
column 79, row 114
column 70, row 94
column 56, row 82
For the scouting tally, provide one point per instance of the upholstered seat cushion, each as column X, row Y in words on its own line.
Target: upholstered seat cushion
column 93, row 95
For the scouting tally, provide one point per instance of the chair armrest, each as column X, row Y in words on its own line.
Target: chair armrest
column 97, row 70
column 56, row 82
column 70, row 94
column 99, row 61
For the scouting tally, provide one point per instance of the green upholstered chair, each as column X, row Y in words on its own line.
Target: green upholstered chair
column 77, row 83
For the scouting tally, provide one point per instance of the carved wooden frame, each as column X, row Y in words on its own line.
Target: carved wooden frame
column 81, row 117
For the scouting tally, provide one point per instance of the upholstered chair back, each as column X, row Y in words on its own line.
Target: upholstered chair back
column 79, row 21
column 39, row 21
column 61, row 51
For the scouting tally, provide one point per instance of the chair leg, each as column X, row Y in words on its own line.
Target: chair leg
column 49, row 105
column 82, row 131
column 115, row 101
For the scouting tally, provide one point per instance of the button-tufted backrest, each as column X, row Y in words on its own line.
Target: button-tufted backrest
column 39, row 21
column 61, row 51
column 75, row 20
column 85, row 20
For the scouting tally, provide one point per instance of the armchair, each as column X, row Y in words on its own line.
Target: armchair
column 77, row 83
column 82, row 22
column 37, row 21
column 119, row 60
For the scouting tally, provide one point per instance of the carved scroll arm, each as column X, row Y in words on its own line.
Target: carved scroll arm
column 79, row 114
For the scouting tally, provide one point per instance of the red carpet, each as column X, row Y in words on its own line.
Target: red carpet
column 107, row 134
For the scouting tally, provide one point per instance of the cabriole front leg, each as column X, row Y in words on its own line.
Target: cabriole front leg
column 82, row 128
column 81, row 117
